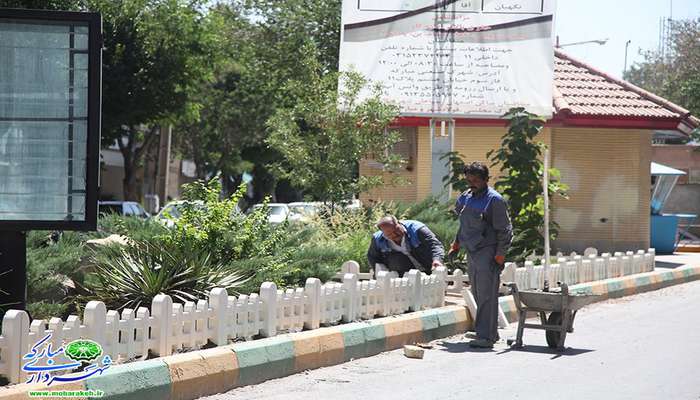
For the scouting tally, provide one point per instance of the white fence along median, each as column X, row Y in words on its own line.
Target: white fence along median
column 570, row 270
column 173, row 327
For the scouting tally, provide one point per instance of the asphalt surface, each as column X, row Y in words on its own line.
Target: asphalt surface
column 645, row 346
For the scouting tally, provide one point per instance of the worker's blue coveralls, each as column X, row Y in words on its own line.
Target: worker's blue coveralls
column 484, row 232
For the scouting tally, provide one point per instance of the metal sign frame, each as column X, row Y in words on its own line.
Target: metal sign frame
column 94, row 114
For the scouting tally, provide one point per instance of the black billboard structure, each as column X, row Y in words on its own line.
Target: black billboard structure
column 50, row 110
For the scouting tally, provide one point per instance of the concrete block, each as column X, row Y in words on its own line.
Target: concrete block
column 431, row 324
column 353, row 341
column 643, row 283
column 463, row 320
column 402, row 330
column 507, row 304
column 264, row 359
column 411, row 351
column 375, row 337
column 615, row 288
column 332, row 348
column 307, row 350
column 317, row 348
column 148, row 379
column 447, row 322
column 200, row 373
column 630, row 285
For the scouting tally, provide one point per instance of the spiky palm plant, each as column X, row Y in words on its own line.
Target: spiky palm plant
column 131, row 276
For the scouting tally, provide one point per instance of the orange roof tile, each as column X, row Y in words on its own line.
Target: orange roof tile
column 583, row 91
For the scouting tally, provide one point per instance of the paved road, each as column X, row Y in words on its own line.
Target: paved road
column 640, row 347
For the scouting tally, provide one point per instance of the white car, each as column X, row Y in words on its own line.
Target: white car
column 303, row 211
column 173, row 211
column 278, row 212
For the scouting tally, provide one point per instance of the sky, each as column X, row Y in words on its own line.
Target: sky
column 619, row 21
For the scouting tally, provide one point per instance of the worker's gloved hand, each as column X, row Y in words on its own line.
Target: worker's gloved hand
column 500, row 260
column 437, row 263
column 454, row 249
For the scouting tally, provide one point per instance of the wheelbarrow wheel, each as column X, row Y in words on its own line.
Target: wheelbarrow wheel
column 553, row 336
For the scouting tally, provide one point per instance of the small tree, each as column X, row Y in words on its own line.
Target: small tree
column 675, row 75
column 328, row 131
column 519, row 160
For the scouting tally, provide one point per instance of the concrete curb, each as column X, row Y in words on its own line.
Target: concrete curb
column 206, row 372
column 619, row 287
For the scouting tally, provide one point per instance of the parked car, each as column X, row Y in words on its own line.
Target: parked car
column 173, row 211
column 124, row 208
column 302, row 211
column 278, row 212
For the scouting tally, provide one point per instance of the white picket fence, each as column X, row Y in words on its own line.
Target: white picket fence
column 172, row 327
column 571, row 270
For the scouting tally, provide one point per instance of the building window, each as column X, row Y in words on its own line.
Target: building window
column 407, row 147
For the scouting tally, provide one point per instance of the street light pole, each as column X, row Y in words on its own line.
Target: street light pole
column 626, row 46
column 599, row 41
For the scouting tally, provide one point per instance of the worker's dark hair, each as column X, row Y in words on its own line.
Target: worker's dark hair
column 477, row 169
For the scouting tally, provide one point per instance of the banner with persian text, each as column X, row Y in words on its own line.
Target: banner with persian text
column 453, row 58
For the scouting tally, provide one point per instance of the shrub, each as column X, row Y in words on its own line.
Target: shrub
column 131, row 276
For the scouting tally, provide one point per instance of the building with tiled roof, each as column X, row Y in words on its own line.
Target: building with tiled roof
column 584, row 95
column 600, row 139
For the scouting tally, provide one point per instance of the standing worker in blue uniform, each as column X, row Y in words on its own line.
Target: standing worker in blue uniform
column 485, row 232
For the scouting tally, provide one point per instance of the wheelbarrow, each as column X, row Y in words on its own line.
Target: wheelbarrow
column 560, row 305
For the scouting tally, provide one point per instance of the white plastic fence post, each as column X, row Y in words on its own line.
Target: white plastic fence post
column 384, row 282
column 508, row 274
column 15, row 329
column 637, row 264
column 531, row 277
column 606, row 263
column 351, row 296
column 647, row 262
column 502, row 320
column 142, row 339
column 469, row 302
column 268, row 295
column 614, row 266
column 312, row 289
column 578, row 277
column 350, row 267
column 95, row 320
column 379, row 268
column 587, row 271
column 441, row 275
column 626, row 265
column 458, row 277
column 652, row 252
column 416, row 284
column 218, row 301
column 162, row 309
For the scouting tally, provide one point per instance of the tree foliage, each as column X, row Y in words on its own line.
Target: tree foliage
column 675, row 75
column 155, row 52
column 323, row 137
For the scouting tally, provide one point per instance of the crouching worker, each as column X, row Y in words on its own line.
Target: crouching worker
column 404, row 245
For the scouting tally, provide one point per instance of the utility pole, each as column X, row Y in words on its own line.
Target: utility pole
column 626, row 46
